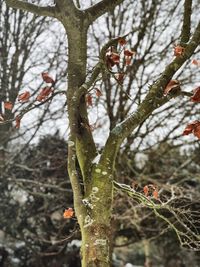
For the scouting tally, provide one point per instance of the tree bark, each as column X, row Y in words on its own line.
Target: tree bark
column 96, row 228
column 93, row 208
column 95, row 250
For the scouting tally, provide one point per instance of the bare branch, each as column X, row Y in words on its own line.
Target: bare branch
column 74, row 179
column 35, row 9
column 152, row 101
column 78, row 4
column 101, row 8
column 82, row 148
column 185, row 33
column 184, row 222
column 32, row 106
column 36, row 183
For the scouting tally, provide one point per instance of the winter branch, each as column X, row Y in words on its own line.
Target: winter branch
column 35, row 9
column 152, row 101
column 185, row 33
column 183, row 220
column 101, row 8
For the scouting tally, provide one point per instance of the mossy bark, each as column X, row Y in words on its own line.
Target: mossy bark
column 95, row 250
column 93, row 208
column 96, row 228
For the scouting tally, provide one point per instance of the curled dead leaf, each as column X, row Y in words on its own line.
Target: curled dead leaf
column 193, row 128
column 8, row 105
column 98, row 92
column 47, row 78
column 24, row 97
column 173, row 85
column 112, row 59
column 44, row 93
column 17, row 122
column 89, row 99
column 129, row 53
column 196, row 131
column 115, row 57
column 122, row 41
column 196, row 62
column 196, row 95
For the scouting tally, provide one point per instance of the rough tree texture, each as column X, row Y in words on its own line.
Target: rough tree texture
column 93, row 203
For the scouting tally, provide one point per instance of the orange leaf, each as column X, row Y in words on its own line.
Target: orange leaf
column 45, row 92
column 89, row 99
column 155, row 194
column 47, row 78
column 193, row 127
column 115, row 58
column 172, row 85
column 196, row 95
column 146, row 190
column 24, row 97
column 196, row 62
column 112, row 58
column 17, row 121
column 129, row 53
column 190, row 127
column 98, row 92
column 68, row 213
column 196, row 131
column 178, row 50
column 1, row 118
column 122, row 41
column 8, row 105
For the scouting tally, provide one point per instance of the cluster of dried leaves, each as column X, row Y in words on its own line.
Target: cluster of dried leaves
column 150, row 189
column 121, row 57
column 89, row 99
column 174, row 87
column 25, row 97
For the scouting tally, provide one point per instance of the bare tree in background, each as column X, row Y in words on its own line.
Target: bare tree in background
column 93, row 200
column 22, row 61
column 154, row 46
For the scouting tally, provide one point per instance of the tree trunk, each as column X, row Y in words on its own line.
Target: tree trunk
column 93, row 208
column 5, row 134
column 96, row 228
column 95, row 249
